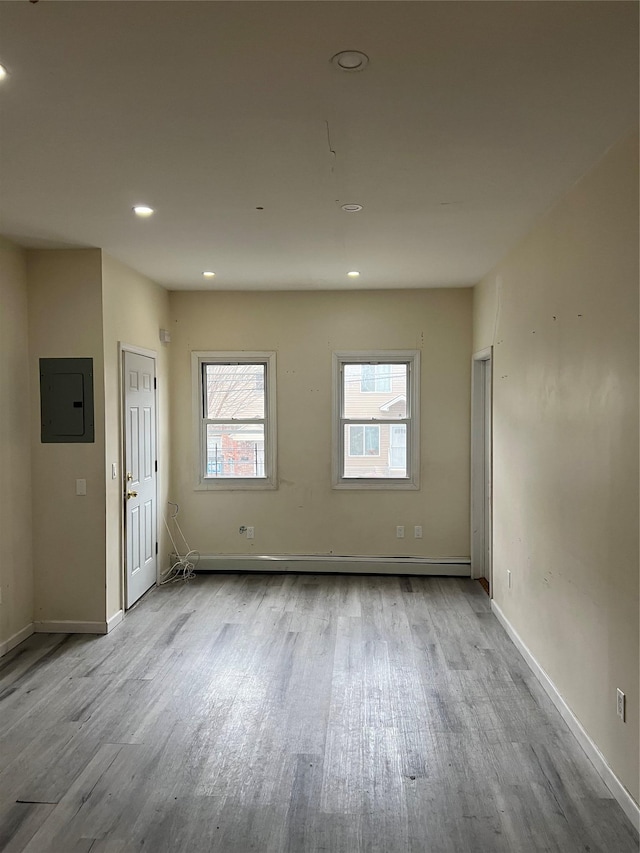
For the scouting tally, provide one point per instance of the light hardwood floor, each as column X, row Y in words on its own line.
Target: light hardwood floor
column 294, row 714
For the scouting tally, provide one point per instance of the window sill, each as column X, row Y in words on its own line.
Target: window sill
column 235, row 486
column 364, row 485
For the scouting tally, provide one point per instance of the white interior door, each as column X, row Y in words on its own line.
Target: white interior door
column 481, row 467
column 140, row 474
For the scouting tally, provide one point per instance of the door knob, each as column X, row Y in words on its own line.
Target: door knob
column 131, row 494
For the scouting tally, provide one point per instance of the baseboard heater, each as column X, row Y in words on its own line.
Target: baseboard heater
column 453, row 566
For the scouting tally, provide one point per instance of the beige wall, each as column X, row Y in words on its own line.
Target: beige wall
column 16, row 565
column 562, row 314
column 305, row 516
column 65, row 321
column 135, row 309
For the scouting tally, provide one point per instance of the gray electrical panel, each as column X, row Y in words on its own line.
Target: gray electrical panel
column 66, row 400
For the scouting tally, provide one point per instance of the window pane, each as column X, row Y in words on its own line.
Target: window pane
column 235, row 450
column 375, row 391
column 375, row 450
column 234, row 391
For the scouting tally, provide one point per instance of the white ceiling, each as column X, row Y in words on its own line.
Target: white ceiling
column 470, row 121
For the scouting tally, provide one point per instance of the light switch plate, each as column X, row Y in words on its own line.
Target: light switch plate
column 81, row 487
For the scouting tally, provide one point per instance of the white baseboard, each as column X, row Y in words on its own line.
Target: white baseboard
column 452, row 566
column 620, row 793
column 115, row 620
column 61, row 627
column 70, row 627
column 16, row 639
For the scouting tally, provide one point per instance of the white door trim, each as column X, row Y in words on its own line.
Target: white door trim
column 150, row 353
column 153, row 354
column 481, row 446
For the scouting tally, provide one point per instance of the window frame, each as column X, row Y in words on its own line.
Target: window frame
column 411, row 358
column 200, row 358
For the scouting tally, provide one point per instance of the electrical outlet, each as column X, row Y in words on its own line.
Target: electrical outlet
column 509, row 578
column 400, row 531
column 81, row 487
column 621, row 702
column 417, row 531
column 250, row 532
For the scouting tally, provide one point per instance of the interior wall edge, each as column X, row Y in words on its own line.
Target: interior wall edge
column 617, row 788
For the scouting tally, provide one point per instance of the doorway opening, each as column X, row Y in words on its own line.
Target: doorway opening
column 481, row 467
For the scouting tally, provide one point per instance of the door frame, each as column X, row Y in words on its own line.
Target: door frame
column 481, row 445
column 152, row 354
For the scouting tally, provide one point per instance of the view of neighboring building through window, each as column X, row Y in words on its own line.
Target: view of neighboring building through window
column 234, row 402
column 235, row 415
column 364, row 440
column 376, row 416
column 376, row 377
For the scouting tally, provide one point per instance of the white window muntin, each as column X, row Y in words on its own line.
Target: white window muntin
column 199, row 360
column 410, row 358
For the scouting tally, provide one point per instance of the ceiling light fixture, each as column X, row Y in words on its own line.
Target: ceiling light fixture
column 3, row 72
column 351, row 208
column 353, row 274
column 350, row 60
column 143, row 210
column 208, row 274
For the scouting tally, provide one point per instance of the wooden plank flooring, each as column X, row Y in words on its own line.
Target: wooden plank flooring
column 294, row 714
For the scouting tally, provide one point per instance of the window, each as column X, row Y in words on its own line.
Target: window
column 375, row 378
column 234, row 398
column 364, row 440
column 376, row 420
column 398, row 446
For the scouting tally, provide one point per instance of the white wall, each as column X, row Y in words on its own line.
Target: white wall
column 134, row 311
column 16, row 565
column 305, row 516
column 65, row 321
column 562, row 314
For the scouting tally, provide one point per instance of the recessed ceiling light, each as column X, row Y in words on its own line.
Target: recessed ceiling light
column 143, row 210
column 350, row 60
column 353, row 274
column 352, row 208
column 208, row 274
column 3, row 72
